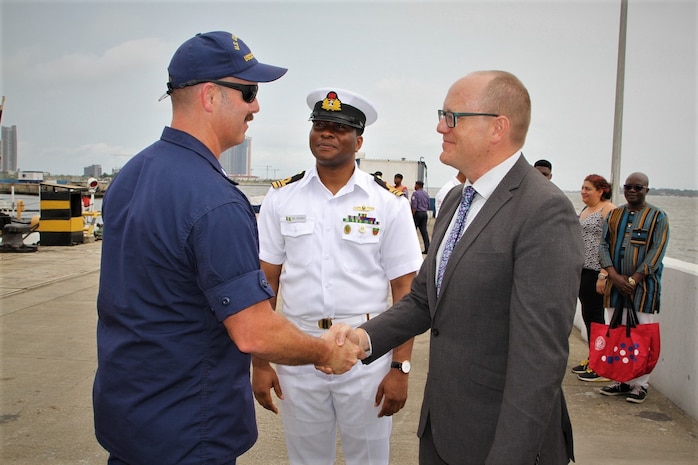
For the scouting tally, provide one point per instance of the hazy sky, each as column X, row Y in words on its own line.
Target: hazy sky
column 82, row 79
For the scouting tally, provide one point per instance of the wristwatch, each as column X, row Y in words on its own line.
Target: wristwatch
column 404, row 367
column 631, row 281
column 603, row 276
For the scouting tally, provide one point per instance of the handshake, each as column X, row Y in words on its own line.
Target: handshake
column 347, row 345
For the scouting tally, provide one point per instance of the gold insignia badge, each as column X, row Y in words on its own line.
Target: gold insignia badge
column 347, row 229
column 363, row 208
column 332, row 102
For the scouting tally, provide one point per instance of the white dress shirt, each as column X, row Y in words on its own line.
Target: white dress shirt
column 484, row 187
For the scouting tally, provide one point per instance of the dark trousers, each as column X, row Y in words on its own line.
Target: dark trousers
column 114, row 461
column 592, row 302
column 420, row 222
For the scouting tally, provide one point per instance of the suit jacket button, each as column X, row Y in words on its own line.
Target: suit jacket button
column 435, row 332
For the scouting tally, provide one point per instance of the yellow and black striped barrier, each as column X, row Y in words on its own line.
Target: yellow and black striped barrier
column 61, row 221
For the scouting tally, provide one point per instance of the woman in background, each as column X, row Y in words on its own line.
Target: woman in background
column 596, row 195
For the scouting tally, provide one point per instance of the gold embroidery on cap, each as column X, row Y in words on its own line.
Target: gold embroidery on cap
column 236, row 46
column 332, row 102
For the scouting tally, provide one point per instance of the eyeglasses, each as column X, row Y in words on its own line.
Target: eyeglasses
column 249, row 91
column 633, row 187
column 452, row 118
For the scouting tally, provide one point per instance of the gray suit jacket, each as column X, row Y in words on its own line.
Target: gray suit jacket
column 499, row 329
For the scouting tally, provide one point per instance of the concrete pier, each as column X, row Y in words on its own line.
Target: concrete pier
column 48, row 360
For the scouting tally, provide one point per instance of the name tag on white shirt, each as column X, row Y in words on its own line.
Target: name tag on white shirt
column 295, row 219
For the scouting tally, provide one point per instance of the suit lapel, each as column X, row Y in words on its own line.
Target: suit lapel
column 501, row 195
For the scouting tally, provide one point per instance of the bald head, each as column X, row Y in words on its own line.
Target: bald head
column 502, row 93
column 496, row 113
column 638, row 177
column 635, row 190
column 505, row 95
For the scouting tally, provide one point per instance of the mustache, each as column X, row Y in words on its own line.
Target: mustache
column 249, row 117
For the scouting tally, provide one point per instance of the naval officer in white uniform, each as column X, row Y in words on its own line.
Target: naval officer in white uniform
column 334, row 241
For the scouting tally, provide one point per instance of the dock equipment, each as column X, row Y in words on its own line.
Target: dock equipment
column 13, row 235
column 61, row 220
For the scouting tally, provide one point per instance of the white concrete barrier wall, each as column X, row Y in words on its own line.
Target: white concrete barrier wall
column 676, row 374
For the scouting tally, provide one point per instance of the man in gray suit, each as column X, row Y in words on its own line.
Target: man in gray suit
column 500, row 309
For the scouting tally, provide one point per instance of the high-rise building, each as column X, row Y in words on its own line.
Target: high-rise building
column 94, row 171
column 9, row 149
column 236, row 161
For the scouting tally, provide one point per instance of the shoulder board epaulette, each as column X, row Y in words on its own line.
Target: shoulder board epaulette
column 388, row 187
column 283, row 182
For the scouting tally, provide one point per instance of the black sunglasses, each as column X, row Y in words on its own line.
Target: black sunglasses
column 633, row 187
column 249, row 91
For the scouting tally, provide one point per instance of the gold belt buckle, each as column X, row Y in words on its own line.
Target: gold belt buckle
column 325, row 323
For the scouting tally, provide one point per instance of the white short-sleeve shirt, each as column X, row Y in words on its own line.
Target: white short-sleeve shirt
column 339, row 252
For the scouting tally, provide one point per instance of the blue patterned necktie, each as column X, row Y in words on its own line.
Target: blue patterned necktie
column 456, row 232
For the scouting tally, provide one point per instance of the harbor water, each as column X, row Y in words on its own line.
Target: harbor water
column 682, row 212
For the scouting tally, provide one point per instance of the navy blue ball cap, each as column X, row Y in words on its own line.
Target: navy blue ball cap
column 216, row 55
column 341, row 106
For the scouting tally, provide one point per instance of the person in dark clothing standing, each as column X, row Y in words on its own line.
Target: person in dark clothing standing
column 184, row 308
column 420, row 205
column 633, row 243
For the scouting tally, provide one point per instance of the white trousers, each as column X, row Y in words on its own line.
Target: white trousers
column 316, row 404
column 642, row 318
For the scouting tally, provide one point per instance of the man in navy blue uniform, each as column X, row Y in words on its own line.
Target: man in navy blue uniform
column 182, row 300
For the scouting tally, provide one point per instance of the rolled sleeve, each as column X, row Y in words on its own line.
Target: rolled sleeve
column 237, row 294
column 229, row 276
